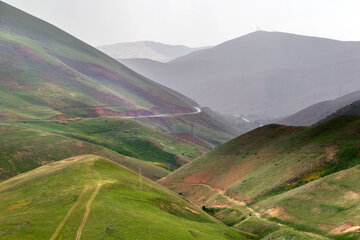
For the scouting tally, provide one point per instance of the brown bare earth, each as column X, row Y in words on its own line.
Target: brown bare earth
column 345, row 228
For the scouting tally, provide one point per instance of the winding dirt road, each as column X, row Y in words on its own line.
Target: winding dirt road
column 163, row 115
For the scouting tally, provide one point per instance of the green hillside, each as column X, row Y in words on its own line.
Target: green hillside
column 46, row 73
column 45, row 67
column 328, row 205
column 88, row 197
column 127, row 137
column 23, row 148
column 275, row 158
column 258, row 166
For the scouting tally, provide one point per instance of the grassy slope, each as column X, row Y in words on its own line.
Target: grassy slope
column 266, row 230
column 274, row 158
column 128, row 138
column 207, row 126
column 32, row 205
column 28, row 42
column 330, row 204
column 267, row 162
column 43, row 69
column 23, row 148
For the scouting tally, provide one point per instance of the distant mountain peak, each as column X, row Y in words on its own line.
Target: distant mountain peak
column 156, row 51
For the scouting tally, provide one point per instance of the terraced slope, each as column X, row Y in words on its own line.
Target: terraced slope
column 47, row 73
column 23, row 148
column 270, row 160
column 88, row 197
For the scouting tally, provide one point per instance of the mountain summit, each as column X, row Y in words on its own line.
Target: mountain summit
column 262, row 73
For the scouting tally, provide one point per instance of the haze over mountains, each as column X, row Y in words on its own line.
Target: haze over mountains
column 86, row 143
column 319, row 111
column 146, row 49
column 269, row 74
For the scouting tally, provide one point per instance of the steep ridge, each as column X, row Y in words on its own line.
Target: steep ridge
column 68, row 69
column 319, row 111
column 46, row 73
column 353, row 108
column 88, row 197
column 268, row 74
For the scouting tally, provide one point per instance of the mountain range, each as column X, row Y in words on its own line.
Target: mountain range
column 147, row 50
column 264, row 74
column 90, row 149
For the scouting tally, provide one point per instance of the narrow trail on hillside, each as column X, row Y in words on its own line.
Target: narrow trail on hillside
column 243, row 204
column 87, row 212
column 69, row 214
column 234, row 201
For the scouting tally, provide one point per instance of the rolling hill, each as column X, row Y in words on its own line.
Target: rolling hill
column 23, row 148
column 46, row 73
column 319, row 111
column 128, row 138
column 272, row 160
column 89, row 197
column 30, row 144
column 268, row 74
column 146, row 49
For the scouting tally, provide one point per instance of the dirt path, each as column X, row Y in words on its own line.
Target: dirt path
column 243, row 204
column 87, row 212
column 68, row 214
column 233, row 201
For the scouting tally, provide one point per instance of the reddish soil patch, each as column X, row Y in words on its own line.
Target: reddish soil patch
column 103, row 74
column 195, row 139
column 344, row 228
column 200, row 177
column 108, row 112
column 137, row 112
column 59, row 116
column 278, row 212
column 181, row 160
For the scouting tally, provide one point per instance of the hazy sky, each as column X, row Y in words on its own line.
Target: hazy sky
column 195, row 22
